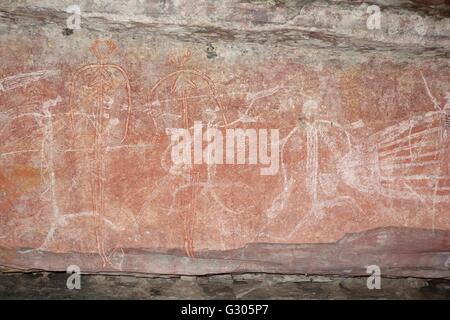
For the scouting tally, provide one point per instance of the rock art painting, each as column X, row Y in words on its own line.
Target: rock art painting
column 100, row 100
column 86, row 159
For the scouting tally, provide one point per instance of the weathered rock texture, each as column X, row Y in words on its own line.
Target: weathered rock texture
column 44, row 285
column 363, row 117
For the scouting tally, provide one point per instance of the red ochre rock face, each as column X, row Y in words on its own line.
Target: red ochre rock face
column 86, row 166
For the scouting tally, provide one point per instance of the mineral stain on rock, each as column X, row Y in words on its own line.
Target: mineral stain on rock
column 67, row 31
column 210, row 51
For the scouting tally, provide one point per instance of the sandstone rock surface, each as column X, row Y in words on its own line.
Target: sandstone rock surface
column 87, row 175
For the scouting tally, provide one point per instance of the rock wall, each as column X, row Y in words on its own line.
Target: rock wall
column 343, row 160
